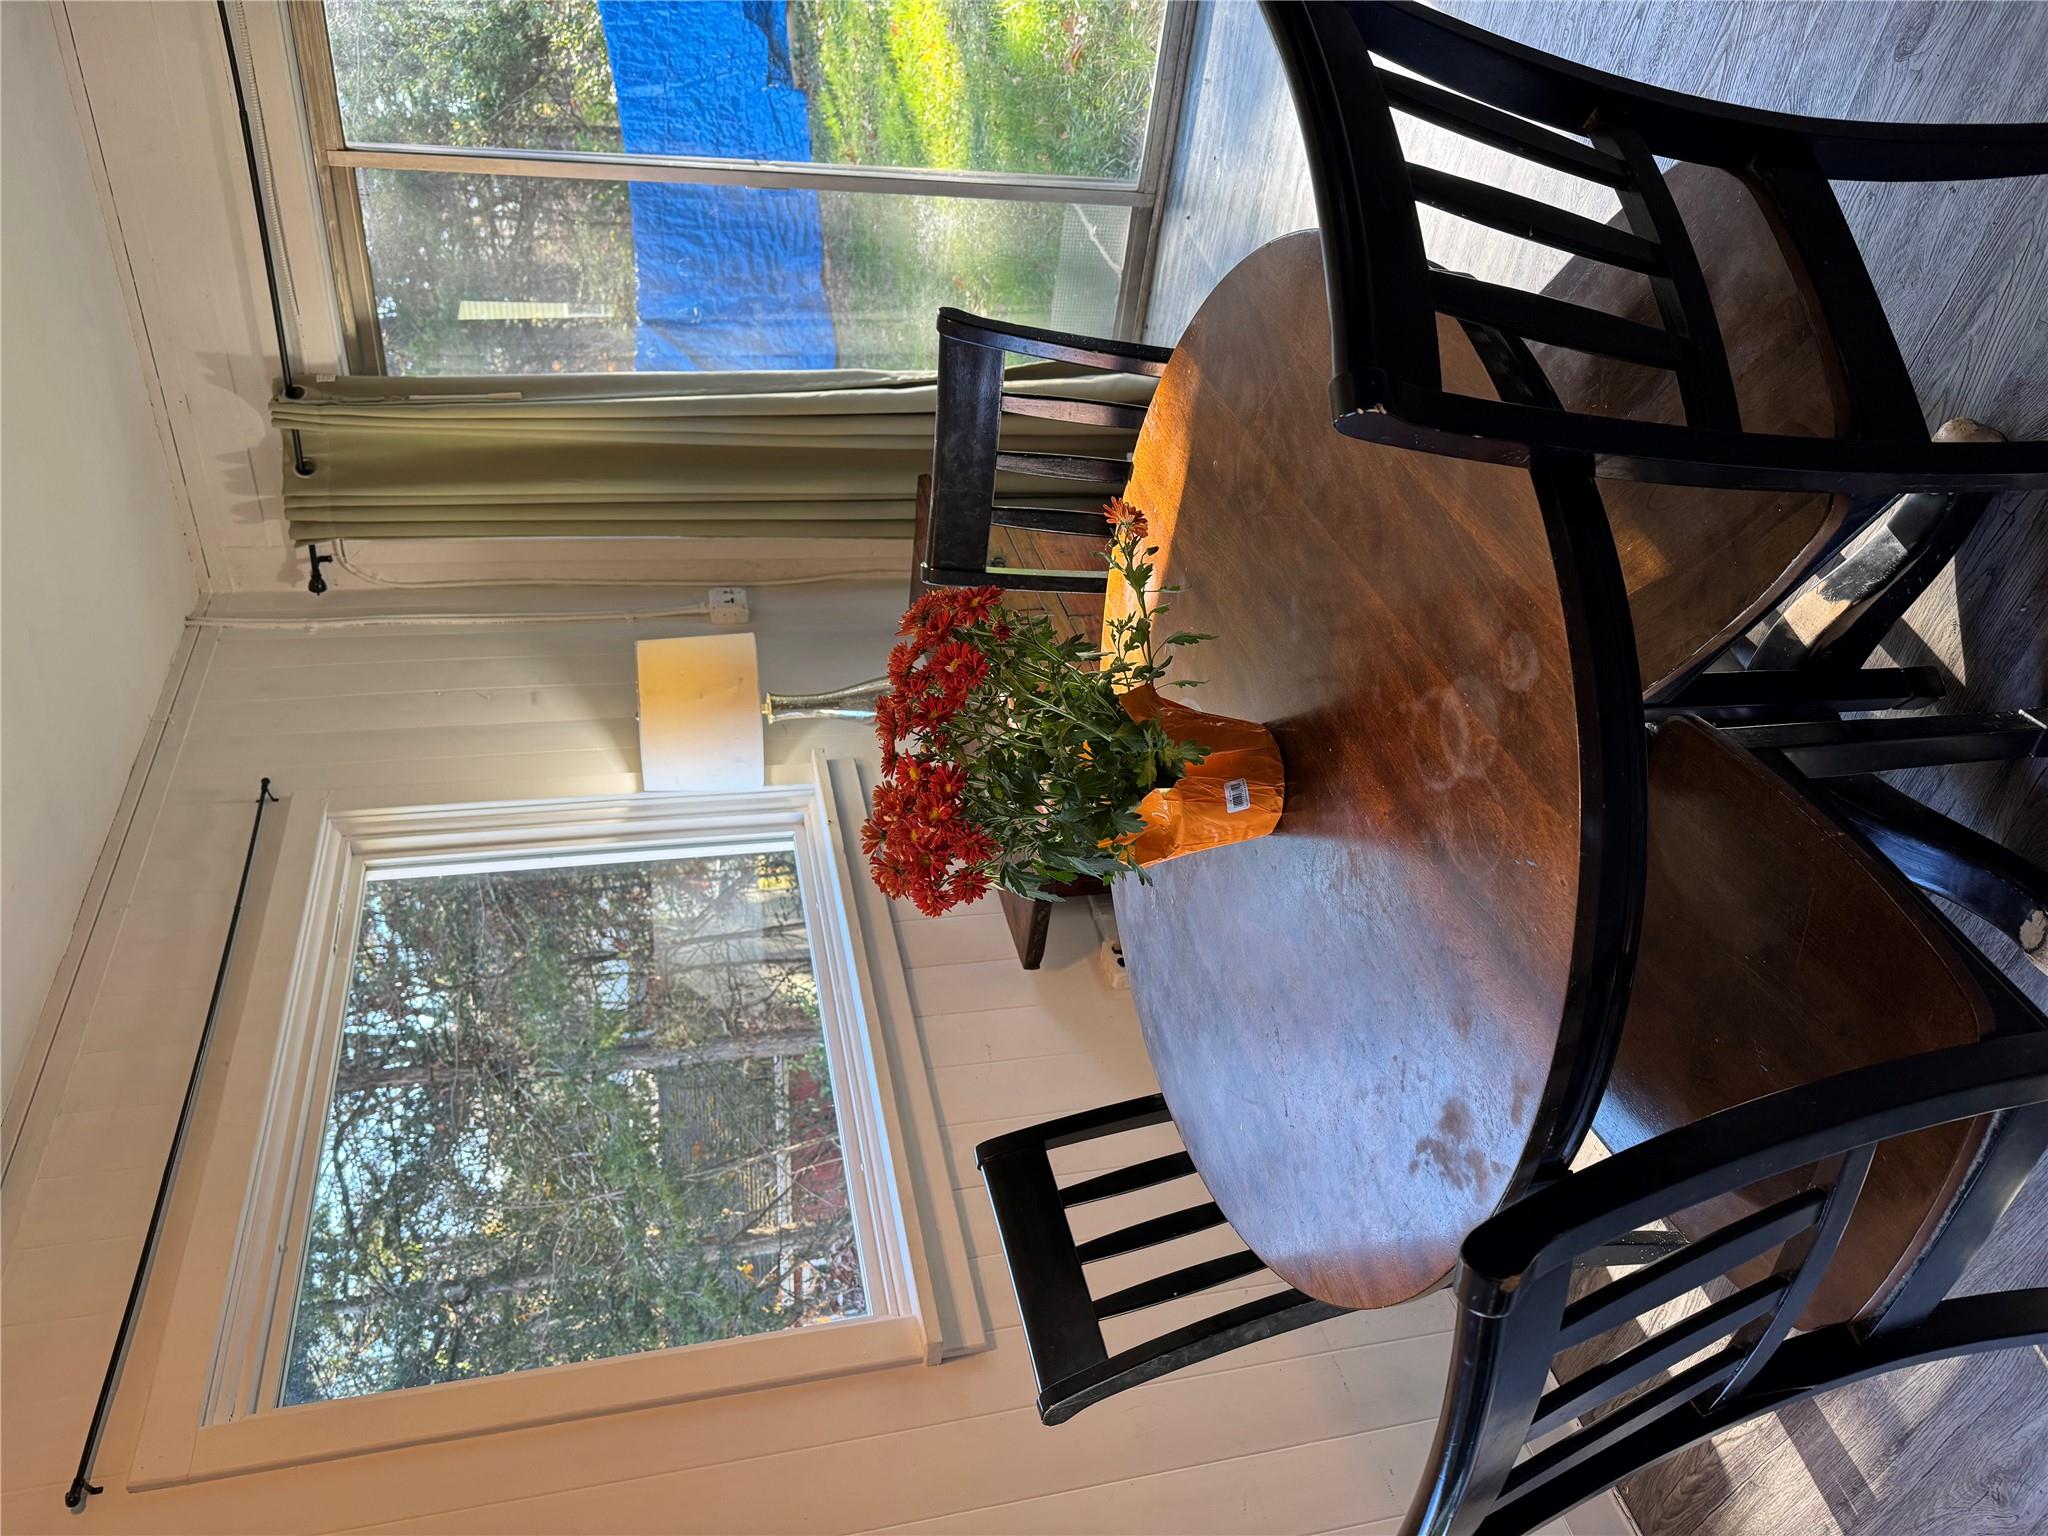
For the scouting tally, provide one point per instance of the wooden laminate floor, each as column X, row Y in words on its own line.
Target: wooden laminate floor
column 1949, row 1450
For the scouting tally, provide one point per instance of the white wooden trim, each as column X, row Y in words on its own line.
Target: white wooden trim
column 51, row 1049
column 285, row 1437
column 1162, row 147
column 954, row 1280
column 278, row 108
column 211, row 1409
column 704, row 170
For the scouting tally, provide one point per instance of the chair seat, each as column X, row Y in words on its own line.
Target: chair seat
column 1702, row 565
column 1776, row 952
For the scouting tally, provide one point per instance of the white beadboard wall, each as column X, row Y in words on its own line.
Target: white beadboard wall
column 1317, row 1431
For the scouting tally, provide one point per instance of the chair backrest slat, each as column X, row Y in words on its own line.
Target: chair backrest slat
column 1662, row 1350
column 1113, row 414
column 1185, row 1281
column 1536, row 318
column 1485, row 125
column 1151, row 1233
column 1524, row 216
column 1246, row 1323
column 1065, row 466
column 1124, row 1181
column 1081, row 582
column 1645, row 1289
column 1049, row 520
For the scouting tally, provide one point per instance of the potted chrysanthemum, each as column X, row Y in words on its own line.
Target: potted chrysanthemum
column 1013, row 758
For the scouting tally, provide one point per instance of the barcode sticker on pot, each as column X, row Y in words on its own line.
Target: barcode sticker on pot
column 1237, row 796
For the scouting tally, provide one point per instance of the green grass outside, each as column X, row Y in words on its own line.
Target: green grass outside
column 1058, row 87
column 1043, row 86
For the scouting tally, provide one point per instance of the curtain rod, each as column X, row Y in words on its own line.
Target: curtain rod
column 81, row 1485
column 293, row 390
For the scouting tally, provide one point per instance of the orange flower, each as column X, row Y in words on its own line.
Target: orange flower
column 920, row 841
column 1125, row 520
column 940, row 613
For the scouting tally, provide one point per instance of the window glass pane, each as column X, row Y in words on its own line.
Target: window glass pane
column 1040, row 86
column 579, row 1111
column 524, row 274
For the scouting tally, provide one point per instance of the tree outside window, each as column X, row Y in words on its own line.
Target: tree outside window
column 580, row 1110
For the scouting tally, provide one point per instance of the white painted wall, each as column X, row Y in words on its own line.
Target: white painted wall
column 95, row 586
column 1316, row 1431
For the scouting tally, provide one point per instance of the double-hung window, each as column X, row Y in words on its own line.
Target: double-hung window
column 581, row 1106
column 554, row 1108
column 574, row 186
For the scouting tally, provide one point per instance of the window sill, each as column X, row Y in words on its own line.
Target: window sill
column 322, row 1431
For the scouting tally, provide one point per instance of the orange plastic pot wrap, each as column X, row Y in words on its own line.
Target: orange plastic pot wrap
column 1232, row 795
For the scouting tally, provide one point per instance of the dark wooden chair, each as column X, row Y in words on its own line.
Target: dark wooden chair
column 1813, row 1150
column 1608, row 130
column 1776, row 949
column 1030, row 922
column 1674, row 352
column 1073, row 450
column 1051, row 1269
column 1819, row 1088
column 1058, row 1277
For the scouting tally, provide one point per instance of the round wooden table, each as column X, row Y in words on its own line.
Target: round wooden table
column 1373, row 1025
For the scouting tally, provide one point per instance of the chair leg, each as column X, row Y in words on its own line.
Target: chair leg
column 1846, row 608
column 1834, row 749
column 1757, row 695
column 1948, row 859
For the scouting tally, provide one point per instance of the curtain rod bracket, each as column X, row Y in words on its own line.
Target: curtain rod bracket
column 316, row 583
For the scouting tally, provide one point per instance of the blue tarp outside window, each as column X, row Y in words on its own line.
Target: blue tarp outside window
column 729, row 277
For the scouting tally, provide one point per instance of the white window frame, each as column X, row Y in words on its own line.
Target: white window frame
column 212, row 1407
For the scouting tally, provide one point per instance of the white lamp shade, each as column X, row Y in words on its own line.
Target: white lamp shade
column 700, row 714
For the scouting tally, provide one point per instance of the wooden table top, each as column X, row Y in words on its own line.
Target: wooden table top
column 1357, row 1021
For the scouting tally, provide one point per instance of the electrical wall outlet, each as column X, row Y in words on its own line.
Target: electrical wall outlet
column 1109, row 958
column 728, row 605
